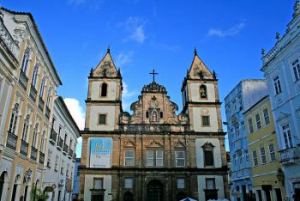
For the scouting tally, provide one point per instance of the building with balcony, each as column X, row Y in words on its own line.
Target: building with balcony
column 281, row 67
column 153, row 154
column 241, row 98
column 60, row 163
column 267, row 174
column 28, row 83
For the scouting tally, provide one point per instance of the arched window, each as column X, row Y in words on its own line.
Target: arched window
column 14, row 119
column 34, row 75
column 25, row 60
column 103, row 89
column 42, row 87
column 203, row 91
column 25, row 128
column 34, row 136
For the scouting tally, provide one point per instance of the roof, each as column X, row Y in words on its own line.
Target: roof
column 40, row 38
column 255, row 104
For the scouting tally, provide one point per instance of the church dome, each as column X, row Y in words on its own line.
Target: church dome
column 154, row 87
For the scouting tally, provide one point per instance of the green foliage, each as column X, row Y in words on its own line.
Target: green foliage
column 38, row 195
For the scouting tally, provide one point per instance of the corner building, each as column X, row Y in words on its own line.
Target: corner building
column 153, row 153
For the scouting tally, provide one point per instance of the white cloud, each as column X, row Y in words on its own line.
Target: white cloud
column 91, row 4
column 78, row 115
column 221, row 33
column 127, row 97
column 76, row 111
column 135, row 27
column 124, row 58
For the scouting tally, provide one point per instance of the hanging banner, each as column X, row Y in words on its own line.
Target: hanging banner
column 100, row 152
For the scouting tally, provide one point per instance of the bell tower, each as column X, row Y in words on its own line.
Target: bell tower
column 104, row 98
column 201, row 97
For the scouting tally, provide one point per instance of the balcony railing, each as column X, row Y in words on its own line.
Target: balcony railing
column 47, row 113
column 33, row 154
column 59, row 143
column 289, row 156
column 42, row 158
column 12, row 141
column 53, row 136
column 33, row 93
column 23, row 80
column 24, row 148
column 41, row 103
column 153, row 128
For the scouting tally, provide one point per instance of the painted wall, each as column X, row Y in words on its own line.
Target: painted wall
column 199, row 152
column 197, row 120
column 89, row 182
column 94, row 115
column 112, row 90
column 202, row 185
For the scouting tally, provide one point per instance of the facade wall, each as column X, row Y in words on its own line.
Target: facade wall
column 61, row 153
column 279, row 65
column 167, row 151
column 265, row 173
column 241, row 98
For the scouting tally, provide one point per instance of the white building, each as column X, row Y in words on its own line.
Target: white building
column 281, row 67
column 61, row 156
column 241, row 97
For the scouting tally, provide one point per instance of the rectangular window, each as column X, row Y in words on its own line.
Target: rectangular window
column 258, row 122
column 266, row 116
column 296, row 69
column 155, row 158
column 159, row 158
column 128, row 183
column 287, row 136
column 150, row 158
column 98, row 183
column 129, row 157
column 254, row 155
column 180, row 158
column 272, row 152
column 263, row 155
column 250, row 125
column 208, row 157
column 205, row 121
column 180, row 183
column 210, row 183
column 102, row 119
column 277, row 85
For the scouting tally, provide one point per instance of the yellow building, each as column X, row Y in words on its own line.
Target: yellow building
column 263, row 149
column 27, row 123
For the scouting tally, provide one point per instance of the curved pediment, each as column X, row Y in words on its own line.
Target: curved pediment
column 153, row 107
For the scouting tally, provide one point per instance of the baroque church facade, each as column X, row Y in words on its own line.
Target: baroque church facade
column 153, row 153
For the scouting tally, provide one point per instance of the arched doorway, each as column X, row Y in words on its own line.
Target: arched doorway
column 2, row 180
column 15, row 188
column 154, row 191
column 128, row 196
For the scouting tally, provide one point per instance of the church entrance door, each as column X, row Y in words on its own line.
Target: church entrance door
column 154, row 191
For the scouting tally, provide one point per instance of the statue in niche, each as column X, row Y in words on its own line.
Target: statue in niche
column 203, row 91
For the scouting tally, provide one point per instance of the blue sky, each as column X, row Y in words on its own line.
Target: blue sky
column 143, row 35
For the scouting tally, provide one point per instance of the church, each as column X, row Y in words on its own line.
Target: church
column 155, row 152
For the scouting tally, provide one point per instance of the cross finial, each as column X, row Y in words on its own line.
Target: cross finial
column 108, row 49
column 195, row 52
column 153, row 73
